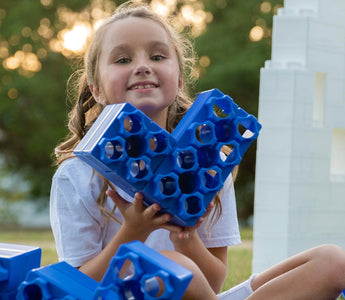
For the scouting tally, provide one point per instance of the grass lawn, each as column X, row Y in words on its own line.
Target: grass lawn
column 240, row 257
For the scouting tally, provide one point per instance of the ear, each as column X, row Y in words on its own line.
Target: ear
column 96, row 93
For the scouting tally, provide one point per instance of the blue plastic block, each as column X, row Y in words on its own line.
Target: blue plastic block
column 15, row 262
column 57, row 281
column 344, row 293
column 139, row 272
column 181, row 171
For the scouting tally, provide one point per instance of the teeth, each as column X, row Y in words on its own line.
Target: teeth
column 143, row 86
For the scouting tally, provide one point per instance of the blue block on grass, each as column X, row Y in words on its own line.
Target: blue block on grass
column 15, row 262
column 57, row 281
column 139, row 272
column 181, row 171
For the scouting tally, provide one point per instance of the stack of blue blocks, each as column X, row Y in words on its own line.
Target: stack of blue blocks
column 135, row 272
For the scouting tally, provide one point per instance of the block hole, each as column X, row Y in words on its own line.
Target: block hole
column 222, row 107
column 244, row 132
column 207, row 156
column 338, row 155
column 158, row 143
column 167, row 185
column 192, row 205
column 113, row 149
column 211, row 179
column 225, row 130
column 32, row 292
column 230, row 154
column 132, row 123
column 185, row 159
column 139, row 169
column 135, row 146
column 204, row 133
column 127, row 270
column 187, row 182
column 154, row 287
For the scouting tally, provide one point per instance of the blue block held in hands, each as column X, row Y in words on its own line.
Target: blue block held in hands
column 181, row 171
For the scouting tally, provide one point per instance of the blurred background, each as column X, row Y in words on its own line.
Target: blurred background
column 41, row 43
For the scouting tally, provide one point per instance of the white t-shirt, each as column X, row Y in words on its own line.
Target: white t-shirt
column 81, row 231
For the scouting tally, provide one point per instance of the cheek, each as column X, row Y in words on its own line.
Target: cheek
column 114, row 88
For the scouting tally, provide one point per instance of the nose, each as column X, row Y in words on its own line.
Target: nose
column 142, row 68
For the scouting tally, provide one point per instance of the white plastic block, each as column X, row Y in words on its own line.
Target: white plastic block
column 274, row 168
column 268, row 251
column 276, row 84
column 311, row 142
column 283, row 83
column 273, row 222
column 270, row 112
column 299, row 5
column 335, row 116
column 326, row 222
column 300, row 154
column 308, row 195
column 337, row 192
column 274, row 196
column 333, row 13
column 335, row 92
column 330, row 61
column 275, row 141
column 309, row 169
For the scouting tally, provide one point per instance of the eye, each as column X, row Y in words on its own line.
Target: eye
column 123, row 60
column 157, row 57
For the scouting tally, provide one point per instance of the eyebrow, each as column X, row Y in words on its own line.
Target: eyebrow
column 126, row 47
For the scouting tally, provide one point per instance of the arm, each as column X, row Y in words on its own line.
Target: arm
column 139, row 222
column 211, row 261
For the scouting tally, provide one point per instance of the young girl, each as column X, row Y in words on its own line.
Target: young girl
column 136, row 57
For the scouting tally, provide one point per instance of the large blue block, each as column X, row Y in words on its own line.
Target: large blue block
column 181, row 171
column 57, row 281
column 15, row 262
column 139, row 272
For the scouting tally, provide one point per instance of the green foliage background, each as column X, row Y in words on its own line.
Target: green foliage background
column 34, row 122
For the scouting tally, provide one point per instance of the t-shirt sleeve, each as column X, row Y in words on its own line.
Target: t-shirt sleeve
column 224, row 232
column 74, row 215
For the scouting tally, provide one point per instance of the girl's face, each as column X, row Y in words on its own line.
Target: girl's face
column 138, row 64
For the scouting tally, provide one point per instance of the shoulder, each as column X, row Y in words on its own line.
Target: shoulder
column 73, row 167
column 75, row 177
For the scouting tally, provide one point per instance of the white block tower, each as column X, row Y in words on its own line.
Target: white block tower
column 300, row 170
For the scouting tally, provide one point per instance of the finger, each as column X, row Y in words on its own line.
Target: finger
column 138, row 202
column 172, row 228
column 152, row 210
column 121, row 203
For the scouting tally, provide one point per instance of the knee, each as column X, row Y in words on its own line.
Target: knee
column 332, row 258
column 199, row 287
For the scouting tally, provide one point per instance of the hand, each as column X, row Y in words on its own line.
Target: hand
column 139, row 220
column 187, row 233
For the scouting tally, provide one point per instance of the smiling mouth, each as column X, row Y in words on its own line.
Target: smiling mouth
column 143, row 86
